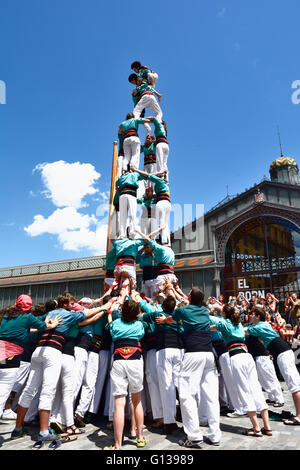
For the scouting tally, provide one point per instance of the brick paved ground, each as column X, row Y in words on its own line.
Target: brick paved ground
column 95, row 438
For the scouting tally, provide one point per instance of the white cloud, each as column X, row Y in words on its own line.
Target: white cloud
column 75, row 231
column 76, row 240
column 67, row 184
column 60, row 221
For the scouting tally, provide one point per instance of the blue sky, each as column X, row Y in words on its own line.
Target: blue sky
column 225, row 72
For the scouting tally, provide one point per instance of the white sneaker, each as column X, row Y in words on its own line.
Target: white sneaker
column 9, row 415
column 234, row 414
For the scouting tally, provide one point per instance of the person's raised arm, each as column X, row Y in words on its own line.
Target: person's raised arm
column 155, row 232
column 163, row 320
column 109, row 316
column 143, row 173
column 144, row 237
column 157, row 94
column 93, row 311
column 93, row 319
column 136, row 296
column 53, row 323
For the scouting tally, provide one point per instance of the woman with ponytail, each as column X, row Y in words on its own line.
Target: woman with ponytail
column 243, row 369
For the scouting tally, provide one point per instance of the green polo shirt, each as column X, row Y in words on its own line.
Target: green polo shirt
column 263, row 331
column 151, row 150
column 163, row 254
column 131, row 124
column 159, row 130
column 16, row 329
column 160, row 185
column 130, row 178
column 126, row 330
column 193, row 317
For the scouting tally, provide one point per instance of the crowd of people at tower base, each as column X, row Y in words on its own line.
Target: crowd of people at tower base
column 128, row 355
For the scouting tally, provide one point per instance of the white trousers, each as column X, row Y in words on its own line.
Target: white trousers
column 132, row 149
column 149, row 102
column 268, row 378
column 120, row 165
column 150, row 168
column 62, row 411
column 168, row 369
column 114, row 224
column 104, row 359
column 88, row 386
column 199, row 373
column 81, row 360
column 153, row 385
column 162, row 153
column 148, row 224
column 247, row 385
column 126, row 268
column 289, row 371
column 162, row 210
column 233, row 398
column 45, row 371
column 23, row 373
column 128, row 208
column 149, row 288
column 7, row 381
column 33, row 410
column 162, row 279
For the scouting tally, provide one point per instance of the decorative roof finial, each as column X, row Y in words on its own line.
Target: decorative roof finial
column 279, row 138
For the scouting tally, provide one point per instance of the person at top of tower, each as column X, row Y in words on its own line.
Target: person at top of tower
column 145, row 73
column 141, row 85
column 146, row 100
column 135, row 80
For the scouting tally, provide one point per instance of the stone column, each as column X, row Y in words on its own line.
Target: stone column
column 217, row 281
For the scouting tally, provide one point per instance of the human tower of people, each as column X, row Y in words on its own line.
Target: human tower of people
column 156, row 351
